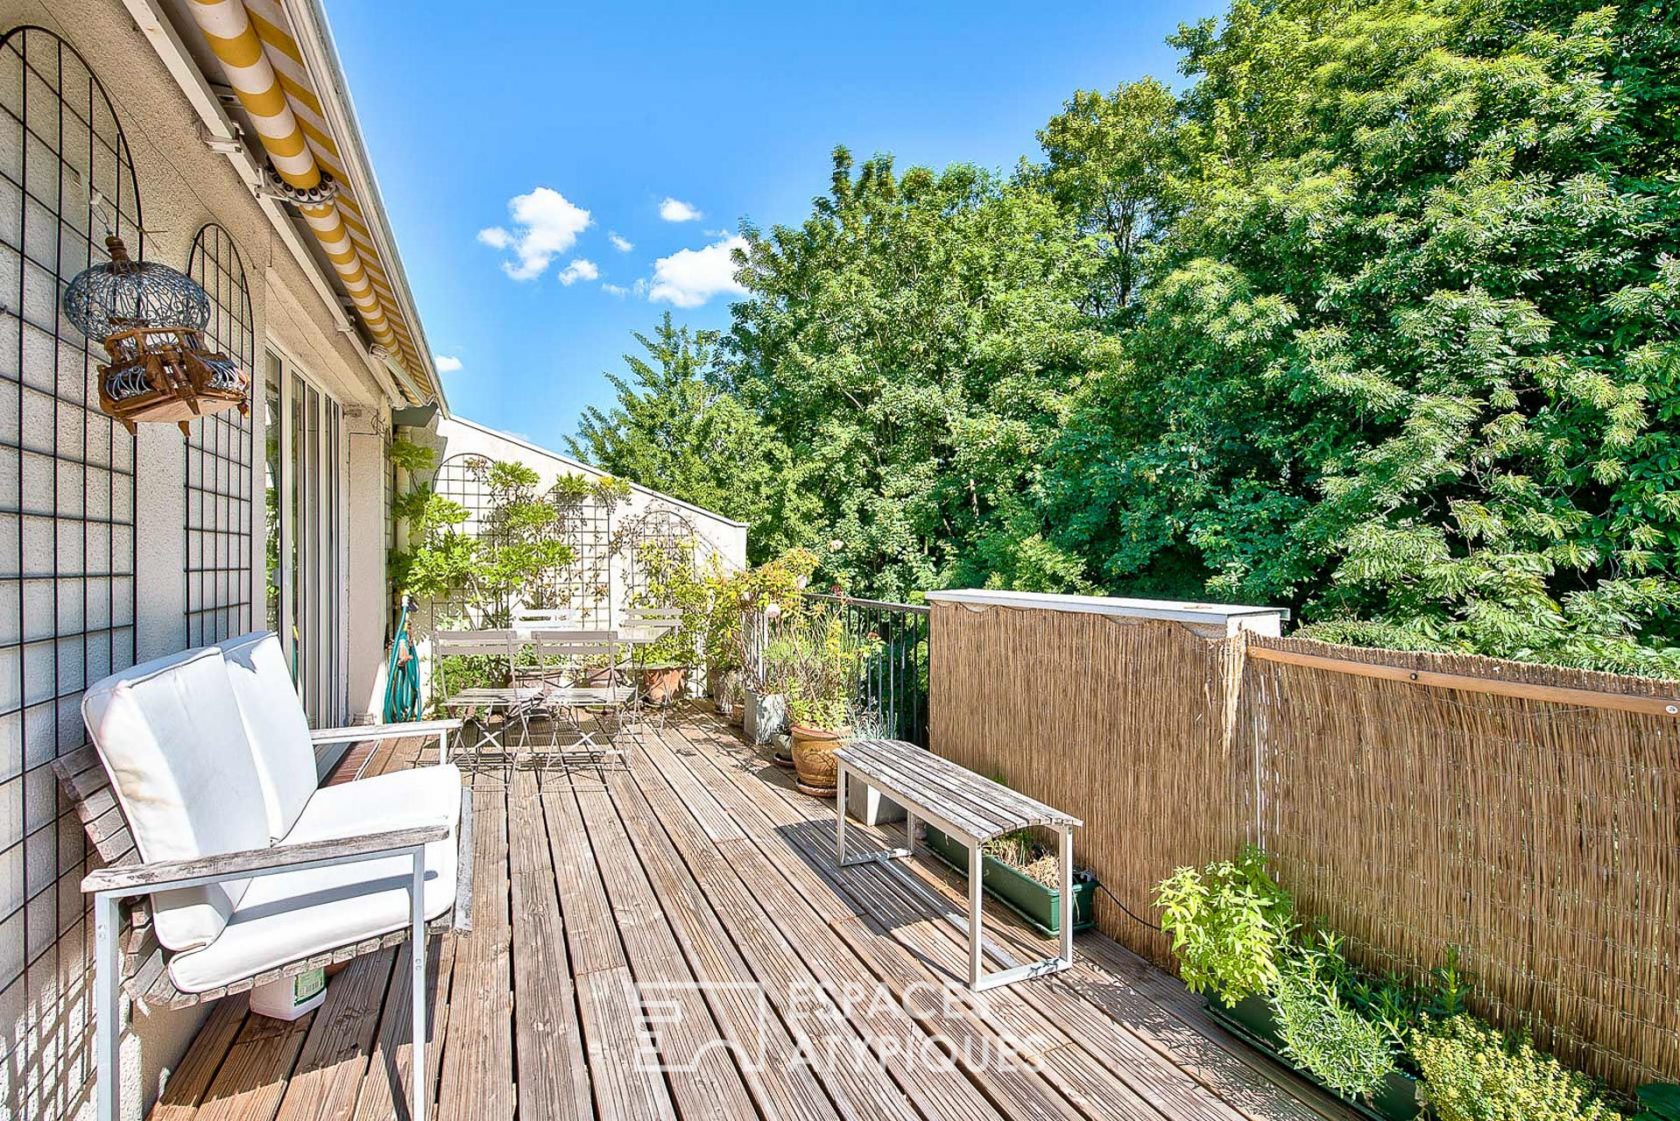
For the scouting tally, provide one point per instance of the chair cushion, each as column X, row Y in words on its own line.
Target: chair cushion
column 170, row 735
column 275, row 724
column 294, row 915
column 398, row 800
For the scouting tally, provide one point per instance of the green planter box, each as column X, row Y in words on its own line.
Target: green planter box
column 1039, row 904
column 1251, row 1020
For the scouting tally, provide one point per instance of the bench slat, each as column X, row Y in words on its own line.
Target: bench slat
column 987, row 809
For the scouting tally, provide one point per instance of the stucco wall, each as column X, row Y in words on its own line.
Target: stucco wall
column 450, row 437
column 46, row 1066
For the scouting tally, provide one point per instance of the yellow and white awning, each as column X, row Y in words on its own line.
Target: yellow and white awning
column 260, row 57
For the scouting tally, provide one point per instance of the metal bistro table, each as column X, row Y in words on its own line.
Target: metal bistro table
column 968, row 808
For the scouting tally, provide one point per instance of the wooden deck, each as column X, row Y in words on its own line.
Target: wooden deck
column 675, row 942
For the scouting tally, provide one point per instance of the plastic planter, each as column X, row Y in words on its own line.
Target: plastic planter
column 1039, row 904
column 1251, row 1020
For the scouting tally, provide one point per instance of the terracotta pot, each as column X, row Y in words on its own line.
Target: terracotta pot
column 813, row 758
column 662, row 684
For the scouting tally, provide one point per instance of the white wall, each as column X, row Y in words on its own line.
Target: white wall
column 454, row 436
column 45, row 1057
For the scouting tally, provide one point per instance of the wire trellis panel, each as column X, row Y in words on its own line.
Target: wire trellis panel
column 67, row 541
column 663, row 530
column 219, row 458
column 584, row 585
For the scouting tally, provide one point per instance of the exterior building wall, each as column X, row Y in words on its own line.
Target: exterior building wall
column 452, row 437
column 45, row 979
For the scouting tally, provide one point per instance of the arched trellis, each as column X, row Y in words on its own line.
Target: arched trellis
column 584, row 586
column 67, row 504
column 658, row 536
column 219, row 455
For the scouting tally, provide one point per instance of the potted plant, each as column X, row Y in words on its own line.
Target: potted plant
column 823, row 674
column 671, row 582
column 1023, row 874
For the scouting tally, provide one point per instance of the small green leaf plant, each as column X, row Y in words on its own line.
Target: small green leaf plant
column 1472, row 1072
column 1323, row 1030
column 1229, row 923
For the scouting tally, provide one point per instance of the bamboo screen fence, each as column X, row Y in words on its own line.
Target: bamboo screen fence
column 1539, row 834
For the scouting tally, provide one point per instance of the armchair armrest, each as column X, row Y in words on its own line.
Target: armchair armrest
column 357, row 732
column 160, row 875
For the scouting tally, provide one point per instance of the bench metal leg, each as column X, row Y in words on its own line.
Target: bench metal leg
column 974, row 913
column 841, row 860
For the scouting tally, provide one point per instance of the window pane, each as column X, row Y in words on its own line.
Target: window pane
column 271, row 496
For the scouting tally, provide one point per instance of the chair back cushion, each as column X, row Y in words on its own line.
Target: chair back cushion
column 170, row 736
column 275, row 724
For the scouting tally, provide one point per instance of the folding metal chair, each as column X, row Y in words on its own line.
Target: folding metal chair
column 480, row 704
column 640, row 628
column 572, row 654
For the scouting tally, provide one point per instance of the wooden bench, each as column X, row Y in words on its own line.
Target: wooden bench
column 968, row 808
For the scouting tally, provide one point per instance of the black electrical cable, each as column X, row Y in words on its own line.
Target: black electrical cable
column 1116, row 900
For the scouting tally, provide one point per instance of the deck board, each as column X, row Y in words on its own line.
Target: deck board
column 672, row 941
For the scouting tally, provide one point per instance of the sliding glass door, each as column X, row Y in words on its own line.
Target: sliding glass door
column 305, row 539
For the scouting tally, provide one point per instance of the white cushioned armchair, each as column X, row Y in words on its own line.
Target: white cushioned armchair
column 254, row 871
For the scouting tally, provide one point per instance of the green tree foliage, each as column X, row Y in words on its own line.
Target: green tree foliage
column 674, row 431
column 914, row 343
column 1378, row 319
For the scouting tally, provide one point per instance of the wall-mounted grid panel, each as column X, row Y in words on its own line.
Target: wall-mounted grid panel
column 67, row 544
column 221, row 454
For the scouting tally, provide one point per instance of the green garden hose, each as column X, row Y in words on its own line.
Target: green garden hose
column 402, row 677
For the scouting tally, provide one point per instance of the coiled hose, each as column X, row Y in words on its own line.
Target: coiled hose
column 402, row 676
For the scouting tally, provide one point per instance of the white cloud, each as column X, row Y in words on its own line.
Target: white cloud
column 676, row 210
column 446, row 363
column 619, row 242
column 690, row 277
column 545, row 224
column 580, row 268
column 615, row 290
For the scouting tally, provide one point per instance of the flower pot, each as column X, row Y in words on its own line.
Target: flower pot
column 1251, row 1020
column 868, row 805
column 763, row 715
column 813, row 758
column 1040, row 904
column 662, row 684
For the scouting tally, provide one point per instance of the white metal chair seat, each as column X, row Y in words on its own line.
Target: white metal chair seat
column 514, row 702
column 253, row 873
column 572, row 652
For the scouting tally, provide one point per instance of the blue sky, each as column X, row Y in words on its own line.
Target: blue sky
column 554, row 110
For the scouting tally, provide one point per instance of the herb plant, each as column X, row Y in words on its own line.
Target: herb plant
column 1472, row 1072
column 1228, row 922
column 1322, row 1030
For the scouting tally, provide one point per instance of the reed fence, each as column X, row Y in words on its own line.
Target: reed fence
column 1527, row 815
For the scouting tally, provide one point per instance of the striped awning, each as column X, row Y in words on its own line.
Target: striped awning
column 260, row 58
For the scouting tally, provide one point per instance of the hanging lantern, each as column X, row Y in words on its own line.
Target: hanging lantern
column 150, row 319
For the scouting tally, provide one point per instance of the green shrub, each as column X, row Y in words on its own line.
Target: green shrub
column 1471, row 1072
column 1323, row 1032
column 1228, row 923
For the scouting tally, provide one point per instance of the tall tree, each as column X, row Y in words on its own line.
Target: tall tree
column 674, row 430
column 914, row 342
column 1112, row 161
column 1406, row 357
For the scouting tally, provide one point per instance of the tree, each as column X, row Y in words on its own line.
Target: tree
column 914, row 342
column 673, row 430
column 1112, row 159
column 1405, row 358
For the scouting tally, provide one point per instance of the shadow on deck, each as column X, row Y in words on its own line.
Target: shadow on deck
column 673, row 940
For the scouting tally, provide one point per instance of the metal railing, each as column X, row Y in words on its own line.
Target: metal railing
column 896, row 678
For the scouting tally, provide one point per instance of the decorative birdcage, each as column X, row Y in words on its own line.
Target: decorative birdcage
column 151, row 319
